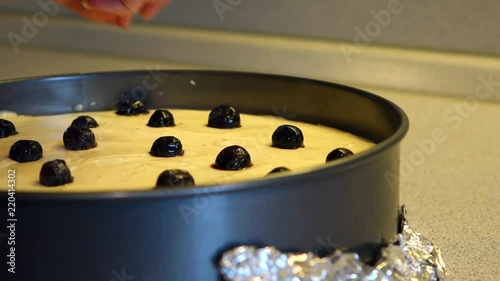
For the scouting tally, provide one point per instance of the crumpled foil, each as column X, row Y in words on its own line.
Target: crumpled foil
column 410, row 256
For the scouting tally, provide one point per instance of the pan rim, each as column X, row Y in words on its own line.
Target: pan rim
column 273, row 182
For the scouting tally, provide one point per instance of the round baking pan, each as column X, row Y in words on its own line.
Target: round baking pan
column 180, row 234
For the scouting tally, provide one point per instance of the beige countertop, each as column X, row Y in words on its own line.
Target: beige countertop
column 451, row 186
column 453, row 192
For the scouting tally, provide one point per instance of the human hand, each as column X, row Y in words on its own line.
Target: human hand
column 117, row 12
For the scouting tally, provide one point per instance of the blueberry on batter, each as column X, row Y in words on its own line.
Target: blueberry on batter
column 224, row 117
column 233, row 158
column 161, row 118
column 55, row 173
column 174, row 178
column 79, row 139
column 26, row 151
column 338, row 153
column 288, row 137
column 7, row 128
column 279, row 170
column 84, row 122
column 131, row 107
column 168, row 146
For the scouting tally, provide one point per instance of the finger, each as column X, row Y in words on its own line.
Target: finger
column 98, row 16
column 124, row 21
column 122, row 7
column 150, row 9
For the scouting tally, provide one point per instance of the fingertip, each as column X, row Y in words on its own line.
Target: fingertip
column 149, row 10
column 146, row 12
column 124, row 22
column 146, row 16
column 86, row 5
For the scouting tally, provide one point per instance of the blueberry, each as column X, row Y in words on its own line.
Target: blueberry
column 26, row 151
column 161, row 118
column 131, row 107
column 7, row 128
column 224, row 117
column 167, row 147
column 54, row 173
column 288, row 137
column 279, row 170
column 338, row 153
column 84, row 122
column 233, row 158
column 174, row 178
column 79, row 139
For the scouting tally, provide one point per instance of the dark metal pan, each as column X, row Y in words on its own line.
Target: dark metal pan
column 145, row 236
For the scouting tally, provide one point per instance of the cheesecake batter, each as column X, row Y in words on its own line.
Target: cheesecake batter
column 121, row 160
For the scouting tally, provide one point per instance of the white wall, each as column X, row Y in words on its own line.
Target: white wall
column 450, row 25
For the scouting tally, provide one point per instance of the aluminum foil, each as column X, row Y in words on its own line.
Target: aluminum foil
column 410, row 256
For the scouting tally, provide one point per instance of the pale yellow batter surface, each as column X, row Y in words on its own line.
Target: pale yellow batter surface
column 121, row 160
